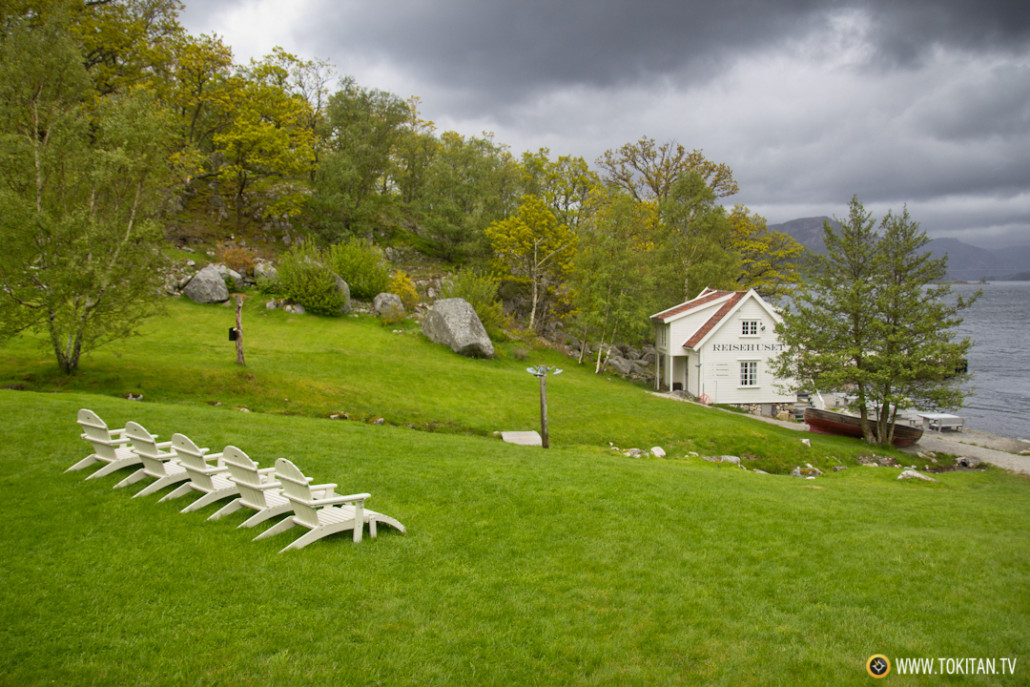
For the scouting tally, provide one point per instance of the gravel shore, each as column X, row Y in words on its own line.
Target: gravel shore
column 1004, row 452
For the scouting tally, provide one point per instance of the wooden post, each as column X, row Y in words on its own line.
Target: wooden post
column 541, row 371
column 543, row 409
column 239, row 329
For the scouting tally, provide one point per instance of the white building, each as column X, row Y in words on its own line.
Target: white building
column 718, row 348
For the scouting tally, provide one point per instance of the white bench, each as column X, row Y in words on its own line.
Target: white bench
column 942, row 421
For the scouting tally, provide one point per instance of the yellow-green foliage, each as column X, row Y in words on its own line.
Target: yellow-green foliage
column 402, row 286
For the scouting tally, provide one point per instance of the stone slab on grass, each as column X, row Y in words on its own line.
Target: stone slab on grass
column 522, row 438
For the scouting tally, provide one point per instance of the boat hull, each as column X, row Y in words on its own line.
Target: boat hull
column 828, row 422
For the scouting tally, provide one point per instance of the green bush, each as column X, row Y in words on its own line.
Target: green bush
column 362, row 265
column 304, row 279
column 480, row 290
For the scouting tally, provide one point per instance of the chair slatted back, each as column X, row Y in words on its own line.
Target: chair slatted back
column 244, row 472
column 95, row 431
column 192, row 458
column 144, row 445
column 298, row 490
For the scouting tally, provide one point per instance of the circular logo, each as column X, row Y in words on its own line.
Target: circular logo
column 878, row 665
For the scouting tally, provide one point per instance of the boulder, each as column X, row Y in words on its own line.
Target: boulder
column 344, row 290
column 387, row 303
column 266, row 272
column 620, row 365
column 231, row 276
column 207, row 286
column 453, row 322
column 657, row 452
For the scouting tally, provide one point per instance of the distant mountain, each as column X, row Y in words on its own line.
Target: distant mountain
column 808, row 231
column 965, row 262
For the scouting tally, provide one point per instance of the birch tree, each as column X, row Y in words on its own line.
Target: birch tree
column 80, row 181
column 616, row 270
column 533, row 248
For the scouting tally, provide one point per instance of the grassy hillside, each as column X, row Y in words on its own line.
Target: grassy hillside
column 520, row 566
column 314, row 366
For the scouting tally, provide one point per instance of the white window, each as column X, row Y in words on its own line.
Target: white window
column 749, row 373
column 749, row 327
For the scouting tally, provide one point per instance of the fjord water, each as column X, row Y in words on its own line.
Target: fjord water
column 998, row 324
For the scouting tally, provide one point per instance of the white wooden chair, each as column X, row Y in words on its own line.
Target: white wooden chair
column 109, row 446
column 325, row 515
column 210, row 480
column 258, row 489
column 158, row 462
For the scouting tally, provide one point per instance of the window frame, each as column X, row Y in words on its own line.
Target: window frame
column 748, row 373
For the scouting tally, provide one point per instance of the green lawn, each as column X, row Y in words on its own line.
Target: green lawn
column 315, row 366
column 520, row 566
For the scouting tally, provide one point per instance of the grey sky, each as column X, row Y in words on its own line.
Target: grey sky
column 897, row 101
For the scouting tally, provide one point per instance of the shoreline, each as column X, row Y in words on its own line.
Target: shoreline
column 1004, row 452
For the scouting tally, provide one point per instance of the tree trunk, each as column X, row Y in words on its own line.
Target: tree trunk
column 239, row 330
column 67, row 353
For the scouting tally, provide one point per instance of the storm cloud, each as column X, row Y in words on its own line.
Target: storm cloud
column 919, row 103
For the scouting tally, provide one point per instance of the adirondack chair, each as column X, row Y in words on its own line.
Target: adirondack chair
column 322, row 516
column 158, row 462
column 210, row 480
column 109, row 446
column 258, row 489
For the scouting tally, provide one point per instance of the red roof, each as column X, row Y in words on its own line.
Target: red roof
column 715, row 319
column 705, row 298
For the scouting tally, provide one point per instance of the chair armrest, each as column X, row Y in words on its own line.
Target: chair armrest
column 323, row 487
column 163, row 445
column 113, row 442
column 117, row 433
column 332, row 501
column 210, row 469
column 266, row 471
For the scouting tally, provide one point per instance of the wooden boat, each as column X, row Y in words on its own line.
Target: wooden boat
column 828, row 422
